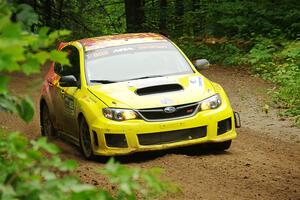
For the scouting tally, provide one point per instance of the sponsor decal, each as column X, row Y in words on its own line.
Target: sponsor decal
column 196, row 82
column 166, row 101
column 69, row 104
column 123, row 50
column 190, row 110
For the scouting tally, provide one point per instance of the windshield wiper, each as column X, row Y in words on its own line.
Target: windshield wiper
column 144, row 77
column 111, row 81
column 102, row 81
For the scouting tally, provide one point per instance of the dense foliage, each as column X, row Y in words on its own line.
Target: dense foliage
column 23, row 51
column 176, row 18
column 279, row 62
column 26, row 174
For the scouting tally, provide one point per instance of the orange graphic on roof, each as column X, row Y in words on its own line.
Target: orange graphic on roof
column 122, row 39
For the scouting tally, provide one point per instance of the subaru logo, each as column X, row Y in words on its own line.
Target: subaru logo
column 169, row 109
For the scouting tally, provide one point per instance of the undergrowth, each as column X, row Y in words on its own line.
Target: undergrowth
column 275, row 59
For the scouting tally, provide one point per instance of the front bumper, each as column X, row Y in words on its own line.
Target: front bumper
column 117, row 138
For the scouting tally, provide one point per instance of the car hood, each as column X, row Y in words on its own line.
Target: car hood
column 154, row 92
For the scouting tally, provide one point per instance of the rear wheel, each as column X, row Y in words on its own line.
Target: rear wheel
column 220, row 146
column 47, row 128
column 85, row 139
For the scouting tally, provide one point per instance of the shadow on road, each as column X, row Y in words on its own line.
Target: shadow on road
column 140, row 157
column 72, row 151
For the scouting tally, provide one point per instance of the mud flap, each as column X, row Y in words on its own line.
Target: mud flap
column 237, row 120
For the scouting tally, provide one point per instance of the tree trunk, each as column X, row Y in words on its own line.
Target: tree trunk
column 163, row 18
column 60, row 10
column 48, row 10
column 134, row 10
column 179, row 11
column 196, row 18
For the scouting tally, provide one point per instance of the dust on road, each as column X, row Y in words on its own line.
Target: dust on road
column 263, row 162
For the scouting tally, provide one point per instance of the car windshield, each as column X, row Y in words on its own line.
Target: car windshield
column 135, row 61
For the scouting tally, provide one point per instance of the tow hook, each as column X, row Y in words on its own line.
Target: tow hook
column 237, row 120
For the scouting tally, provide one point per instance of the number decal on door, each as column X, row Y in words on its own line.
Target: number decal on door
column 69, row 105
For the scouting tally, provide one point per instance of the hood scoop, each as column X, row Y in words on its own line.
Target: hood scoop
column 158, row 89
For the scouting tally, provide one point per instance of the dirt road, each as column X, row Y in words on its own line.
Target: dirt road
column 263, row 162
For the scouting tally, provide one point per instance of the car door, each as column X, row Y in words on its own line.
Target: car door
column 56, row 97
column 69, row 94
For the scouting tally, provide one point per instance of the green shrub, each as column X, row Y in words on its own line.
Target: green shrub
column 33, row 170
column 275, row 59
column 278, row 61
column 225, row 53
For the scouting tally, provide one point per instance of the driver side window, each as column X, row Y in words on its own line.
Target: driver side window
column 74, row 68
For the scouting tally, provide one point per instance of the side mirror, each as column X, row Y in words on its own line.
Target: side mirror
column 68, row 81
column 201, row 64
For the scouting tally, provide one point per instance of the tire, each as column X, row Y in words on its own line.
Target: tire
column 220, row 146
column 47, row 128
column 85, row 139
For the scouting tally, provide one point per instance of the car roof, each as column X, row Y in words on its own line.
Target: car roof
column 120, row 39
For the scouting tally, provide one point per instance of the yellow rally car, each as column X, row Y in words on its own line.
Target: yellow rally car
column 133, row 92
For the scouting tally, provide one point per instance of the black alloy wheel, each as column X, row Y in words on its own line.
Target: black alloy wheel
column 85, row 139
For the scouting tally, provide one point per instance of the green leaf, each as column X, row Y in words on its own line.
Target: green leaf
column 41, row 56
column 43, row 32
column 68, row 165
column 8, row 103
column 27, row 15
column 25, row 109
column 81, row 187
column 43, row 144
column 34, row 154
column 7, row 192
column 11, row 31
column 4, row 20
column 58, row 34
column 48, row 175
column 32, row 65
column 59, row 56
column 3, row 84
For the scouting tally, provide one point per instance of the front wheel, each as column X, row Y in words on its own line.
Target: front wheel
column 85, row 139
column 220, row 146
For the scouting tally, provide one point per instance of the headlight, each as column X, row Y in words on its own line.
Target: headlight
column 212, row 102
column 119, row 114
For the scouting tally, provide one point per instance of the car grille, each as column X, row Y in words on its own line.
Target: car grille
column 158, row 114
column 172, row 136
